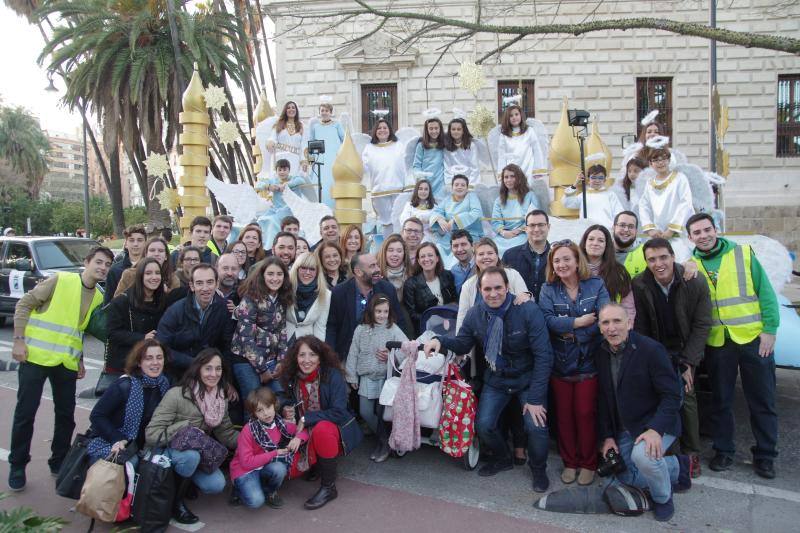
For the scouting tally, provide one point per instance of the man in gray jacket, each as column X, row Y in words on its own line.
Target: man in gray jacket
column 677, row 313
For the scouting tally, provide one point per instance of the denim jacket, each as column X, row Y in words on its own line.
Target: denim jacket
column 573, row 347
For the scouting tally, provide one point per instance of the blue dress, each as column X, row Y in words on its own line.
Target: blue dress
column 333, row 135
column 431, row 160
column 466, row 214
column 270, row 220
column 511, row 216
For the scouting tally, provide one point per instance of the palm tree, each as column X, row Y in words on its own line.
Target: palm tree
column 23, row 148
column 118, row 57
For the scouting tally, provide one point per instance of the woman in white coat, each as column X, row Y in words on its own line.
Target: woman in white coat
column 308, row 315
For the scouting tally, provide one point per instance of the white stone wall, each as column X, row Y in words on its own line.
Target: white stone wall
column 596, row 71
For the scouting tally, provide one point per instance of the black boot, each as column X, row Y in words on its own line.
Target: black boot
column 327, row 488
column 180, row 512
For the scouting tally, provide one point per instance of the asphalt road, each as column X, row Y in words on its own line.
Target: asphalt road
column 428, row 489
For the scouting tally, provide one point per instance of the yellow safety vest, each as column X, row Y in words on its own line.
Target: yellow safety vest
column 736, row 307
column 55, row 337
column 635, row 262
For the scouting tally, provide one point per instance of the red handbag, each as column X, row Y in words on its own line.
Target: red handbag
column 457, row 425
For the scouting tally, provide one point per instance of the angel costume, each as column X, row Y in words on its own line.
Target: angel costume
column 332, row 133
column 524, row 150
column 290, row 147
column 666, row 205
column 384, row 169
column 466, row 214
column 511, row 216
column 602, row 205
column 431, row 161
column 469, row 159
column 270, row 220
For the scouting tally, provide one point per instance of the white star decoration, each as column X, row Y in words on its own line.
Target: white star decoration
column 157, row 164
column 227, row 131
column 215, row 97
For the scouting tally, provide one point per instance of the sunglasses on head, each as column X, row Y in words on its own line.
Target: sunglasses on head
column 565, row 242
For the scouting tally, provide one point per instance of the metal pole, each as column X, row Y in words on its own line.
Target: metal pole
column 585, row 177
column 85, row 184
column 712, row 82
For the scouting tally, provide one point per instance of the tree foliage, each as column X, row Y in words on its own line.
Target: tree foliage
column 23, row 150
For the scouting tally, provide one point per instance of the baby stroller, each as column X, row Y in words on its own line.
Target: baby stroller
column 436, row 321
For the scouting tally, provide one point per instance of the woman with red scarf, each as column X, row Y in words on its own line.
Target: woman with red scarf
column 316, row 397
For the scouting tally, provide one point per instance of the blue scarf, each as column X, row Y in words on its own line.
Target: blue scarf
column 306, row 296
column 98, row 447
column 493, row 343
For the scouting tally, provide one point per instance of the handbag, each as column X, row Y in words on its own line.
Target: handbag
column 457, row 426
column 103, row 490
column 212, row 453
column 73, row 469
column 124, row 511
column 98, row 324
column 154, row 491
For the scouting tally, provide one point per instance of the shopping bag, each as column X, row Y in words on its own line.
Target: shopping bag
column 73, row 469
column 153, row 493
column 124, row 511
column 457, row 425
column 103, row 490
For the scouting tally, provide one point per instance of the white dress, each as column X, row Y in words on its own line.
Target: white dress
column 460, row 157
column 422, row 213
column 667, row 205
column 384, row 170
column 601, row 205
column 290, row 147
column 524, row 150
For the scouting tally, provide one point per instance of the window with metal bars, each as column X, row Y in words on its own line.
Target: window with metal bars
column 375, row 98
column 788, row 139
column 654, row 93
column 508, row 88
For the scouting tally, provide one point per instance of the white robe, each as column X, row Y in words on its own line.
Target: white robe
column 290, row 147
column 385, row 172
column 601, row 205
column 667, row 205
column 423, row 214
column 523, row 150
column 460, row 157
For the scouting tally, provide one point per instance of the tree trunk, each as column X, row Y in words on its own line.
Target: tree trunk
column 115, row 191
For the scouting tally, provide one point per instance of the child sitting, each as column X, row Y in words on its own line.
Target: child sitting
column 276, row 184
column 366, row 367
column 602, row 204
column 264, row 452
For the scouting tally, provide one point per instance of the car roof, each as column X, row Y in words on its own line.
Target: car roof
column 26, row 238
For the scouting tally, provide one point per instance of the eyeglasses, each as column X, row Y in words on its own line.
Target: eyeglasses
column 597, row 177
column 412, row 231
column 307, row 268
column 239, row 252
column 659, row 159
column 191, row 260
column 540, row 225
column 626, row 226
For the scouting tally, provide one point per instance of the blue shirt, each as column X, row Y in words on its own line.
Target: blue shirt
column 461, row 274
column 361, row 304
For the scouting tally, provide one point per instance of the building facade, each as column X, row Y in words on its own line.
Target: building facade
column 616, row 75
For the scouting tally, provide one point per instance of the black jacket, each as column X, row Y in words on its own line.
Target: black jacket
column 418, row 298
column 692, row 304
column 108, row 414
column 181, row 330
column 342, row 314
column 114, row 275
column 648, row 392
column 522, row 259
column 127, row 325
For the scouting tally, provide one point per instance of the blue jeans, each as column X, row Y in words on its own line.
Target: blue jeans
column 248, row 380
column 644, row 472
column 254, row 486
column 185, row 465
column 490, row 406
column 758, row 384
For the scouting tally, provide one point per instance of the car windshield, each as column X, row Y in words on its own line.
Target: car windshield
column 62, row 254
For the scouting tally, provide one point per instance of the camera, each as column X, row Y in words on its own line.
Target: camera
column 611, row 465
column 316, row 147
column 578, row 118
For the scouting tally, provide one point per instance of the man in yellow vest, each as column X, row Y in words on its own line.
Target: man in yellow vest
column 222, row 226
column 49, row 322
column 627, row 245
column 745, row 317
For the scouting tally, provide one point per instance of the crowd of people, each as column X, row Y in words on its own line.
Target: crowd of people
column 272, row 351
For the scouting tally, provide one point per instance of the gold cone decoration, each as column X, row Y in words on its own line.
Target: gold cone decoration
column 347, row 190
column 565, row 160
column 262, row 113
column 595, row 145
column 194, row 139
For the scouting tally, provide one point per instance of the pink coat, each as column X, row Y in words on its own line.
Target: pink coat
column 250, row 456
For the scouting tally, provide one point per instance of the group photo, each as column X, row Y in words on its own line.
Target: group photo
column 373, row 289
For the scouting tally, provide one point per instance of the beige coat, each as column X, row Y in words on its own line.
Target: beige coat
column 176, row 411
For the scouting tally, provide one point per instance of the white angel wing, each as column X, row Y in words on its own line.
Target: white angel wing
column 311, row 124
column 540, row 189
column 240, row 199
column 361, row 140
column 404, row 135
column 410, row 150
column 702, row 194
column 264, row 130
column 397, row 210
column 493, row 144
column 564, row 228
column 773, row 256
column 484, row 157
column 542, row 138
column 487, row 195
column 308, row 213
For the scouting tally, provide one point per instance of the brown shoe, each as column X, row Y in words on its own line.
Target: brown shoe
column 568, row 475
column 585, row 477
column 694, row 466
